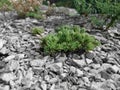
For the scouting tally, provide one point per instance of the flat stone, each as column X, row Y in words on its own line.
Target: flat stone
column 13, row 65
column 95, row 66
column 108, row 85
column 79, row 62
column 53, row 80
column 2, row 64
column 2, row 42
column 90, row 55
column 104, row 66
column 115, row 68
column 105, row 75
column 56, row 67
column 89, row 61
column 73, row 69
column 8, row 77
column 6, row 87
column 79, row 73
column 11, row 57
column 43, row 85
column 37, row 63
column 4, row 50
column 86, row 80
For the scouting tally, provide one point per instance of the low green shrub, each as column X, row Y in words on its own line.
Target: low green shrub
column 68, row 39
column 37, row 30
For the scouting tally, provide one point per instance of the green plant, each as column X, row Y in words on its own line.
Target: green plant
column 26, row 8
column 37, row 15
column 108, row 8
column 37, row 30
column 68, row 39
column 97, row 21
column 5, row 5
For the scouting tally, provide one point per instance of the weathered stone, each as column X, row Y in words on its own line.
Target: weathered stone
column 2, row 42
column 11, row 57
column 79, row 62
column 37, row 63
column 79, row 73
column 105, row 75
column 8, row 77
column 115, row 68
column 6, row 87
column 44, row 85
column 53, row 80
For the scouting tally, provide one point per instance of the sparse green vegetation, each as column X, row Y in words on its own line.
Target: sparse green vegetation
column 5, row 5
column 27, row 8
column 68, row 39
column 107, row 8
column 37, row 30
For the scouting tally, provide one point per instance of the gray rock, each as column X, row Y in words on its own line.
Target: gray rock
column 86, row 80
column 53, row 80
column 118, row 26
column 43, row 85
column 115, row 68
column 97, row 86
column 6, row 87
column 95, row 66
column 8, row 77
column 37, row 63
column 115, row 77
column 13, row 65
column 105, row 75
column 56, row 67
column 102, row 39
column 79, row 62
column 108, row 85
column 11, row 57
column 89, row 61
column 68, row 11
column 90, row 55
column 73, row 69
column 2, row 42
column 79, row 73
column 64, row 85
column 4, row 50
column 104, row 66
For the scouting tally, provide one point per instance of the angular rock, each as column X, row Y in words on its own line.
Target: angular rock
column 56, row 67
column 43, row 85
column 11, row 57
column 105, row 75
column 6, row 87
column 79, row 73
column 115, row 68
column 8, row 77
column 53, row 80
column 37, row 63
column 79, row 62
column 90, row 55
column 2, row 42
column 13, row 65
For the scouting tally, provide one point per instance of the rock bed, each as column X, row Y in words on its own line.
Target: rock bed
column 22, row 67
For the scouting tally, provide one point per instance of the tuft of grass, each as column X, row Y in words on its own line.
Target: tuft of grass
column 37, row 30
